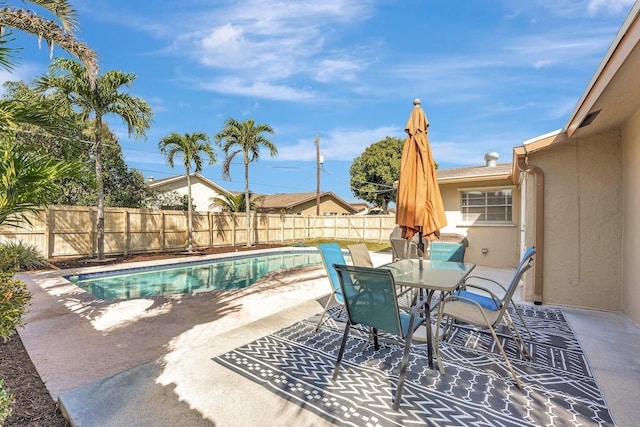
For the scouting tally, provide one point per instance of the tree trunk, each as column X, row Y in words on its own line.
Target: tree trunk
column 247, row 202
column 99, row 188
column 189, row 215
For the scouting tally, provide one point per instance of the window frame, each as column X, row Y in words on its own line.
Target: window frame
column 507, row 205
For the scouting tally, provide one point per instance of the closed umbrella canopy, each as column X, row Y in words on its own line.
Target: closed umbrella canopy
column 419, row 207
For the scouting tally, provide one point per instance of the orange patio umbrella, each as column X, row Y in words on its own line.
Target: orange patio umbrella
column 419, row 207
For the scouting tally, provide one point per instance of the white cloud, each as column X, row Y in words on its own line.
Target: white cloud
column 610, row 6
column 338, row 144
column 274, row 43
column 257, row 89
column 330, row 70
column 227, row 40
column 542, row 63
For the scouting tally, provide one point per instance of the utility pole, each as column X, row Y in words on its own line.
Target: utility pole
column 318, row 163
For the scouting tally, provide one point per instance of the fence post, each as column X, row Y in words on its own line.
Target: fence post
column 162, row 233
column 48, row 243
column 233, row 229
column 125, row 232
column 210, row 225
column 91, row 233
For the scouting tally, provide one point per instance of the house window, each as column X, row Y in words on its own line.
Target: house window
column 487, row 206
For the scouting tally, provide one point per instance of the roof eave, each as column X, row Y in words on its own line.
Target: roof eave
column 475, row 178
column 626, row 39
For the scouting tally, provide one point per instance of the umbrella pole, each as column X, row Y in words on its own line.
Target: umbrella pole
column 420, row 249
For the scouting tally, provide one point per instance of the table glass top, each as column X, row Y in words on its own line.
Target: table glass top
column 437, row 275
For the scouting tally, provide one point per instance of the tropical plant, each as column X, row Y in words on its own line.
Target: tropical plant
column 57, row 31
column 234, row 203
column 246, row 138
column 375, row 170
column 68, row 140
column 20, row 256
column 54, row 32
column 14, row 299
column 169, row 201
column 191, row 147
column 6, row 400
column 29, row 180
column 37, row 117
column 122, row 186
column 94, row 101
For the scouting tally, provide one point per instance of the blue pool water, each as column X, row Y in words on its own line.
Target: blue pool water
column 192, row 277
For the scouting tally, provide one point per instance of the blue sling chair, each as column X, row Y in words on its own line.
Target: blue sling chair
column 487, row 299
column 371, row 300
column 331, row 254
column 453, row 252
column 487, row 312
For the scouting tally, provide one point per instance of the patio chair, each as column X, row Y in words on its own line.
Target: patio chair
column 398, row 248
column 457, row 307
column 370, row 300
column 439, row 251
column 331, row 253
column 487, row 298
column 401, row 248
column 360, row 255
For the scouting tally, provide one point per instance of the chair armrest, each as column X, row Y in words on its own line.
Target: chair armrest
column 471, row 285
column 486, row 279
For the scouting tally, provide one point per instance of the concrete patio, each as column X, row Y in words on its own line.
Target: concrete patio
column 148, row 362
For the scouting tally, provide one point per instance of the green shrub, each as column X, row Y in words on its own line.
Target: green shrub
column 6, row 400
column 18, row 256
column 14, row 299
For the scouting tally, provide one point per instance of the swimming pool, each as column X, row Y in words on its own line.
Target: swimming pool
column 192, row 277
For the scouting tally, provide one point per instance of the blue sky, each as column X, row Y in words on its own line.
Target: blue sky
column 490, row 74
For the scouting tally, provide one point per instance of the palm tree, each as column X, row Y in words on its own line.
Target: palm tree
column 191, row 147
column 95, row 100
column 58, row 31
column 246, row 137
column 230, row 203
column 29, row 181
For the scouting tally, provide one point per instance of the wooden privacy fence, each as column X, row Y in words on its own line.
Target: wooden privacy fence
column 69, row 231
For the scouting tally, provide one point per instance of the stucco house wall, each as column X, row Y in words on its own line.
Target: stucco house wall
column 501, row 240
column 630, row 298
column 583, row 221
column 201, row 191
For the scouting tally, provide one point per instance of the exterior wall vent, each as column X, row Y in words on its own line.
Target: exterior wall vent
column 589, row 118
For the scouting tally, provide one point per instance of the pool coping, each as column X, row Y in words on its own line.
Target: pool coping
column 65, row 286
column 142, row 267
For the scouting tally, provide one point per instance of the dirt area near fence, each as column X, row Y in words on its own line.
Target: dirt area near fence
column 63, row 263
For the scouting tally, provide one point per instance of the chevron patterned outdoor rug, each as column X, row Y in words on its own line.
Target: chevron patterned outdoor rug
column 476, row 389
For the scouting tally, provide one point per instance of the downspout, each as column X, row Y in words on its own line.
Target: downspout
column 538, row 225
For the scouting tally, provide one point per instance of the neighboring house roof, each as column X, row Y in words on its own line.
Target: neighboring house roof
column 155, row 183
column 290, row 200
column 360, row 206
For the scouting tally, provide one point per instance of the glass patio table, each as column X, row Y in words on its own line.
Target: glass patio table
column 433, row 276
column 442, row 276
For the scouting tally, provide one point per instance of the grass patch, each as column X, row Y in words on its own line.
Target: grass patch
column 372, row 246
